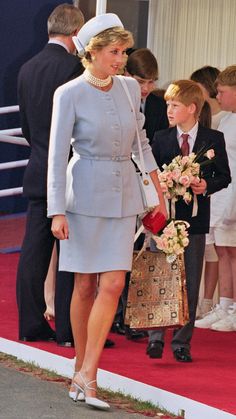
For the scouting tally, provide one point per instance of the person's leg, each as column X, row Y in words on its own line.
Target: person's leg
column 225, row 271
column 49, row 286
column 219, row 312
column 210, row 283
column 232, row 257
column 63, row 292
column 193, row 257
column 83, row 296
column 155, row 343
column 227, row 291
column 32, row 271
column 211, row 279
column 210, row 276
column 98, row 325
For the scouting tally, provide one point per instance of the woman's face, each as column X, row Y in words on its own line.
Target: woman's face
column 108, row 60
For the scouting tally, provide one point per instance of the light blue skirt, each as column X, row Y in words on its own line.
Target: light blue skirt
column 97, row 244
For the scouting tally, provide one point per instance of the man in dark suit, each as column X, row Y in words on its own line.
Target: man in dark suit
column 184, row 103
column 37, row 81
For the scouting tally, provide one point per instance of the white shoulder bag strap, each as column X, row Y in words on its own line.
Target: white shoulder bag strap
column 145, row 175
column 142, row 165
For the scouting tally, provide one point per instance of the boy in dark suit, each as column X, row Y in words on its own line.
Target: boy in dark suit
column 184, row 103
column 142, row 66
column 37, row 81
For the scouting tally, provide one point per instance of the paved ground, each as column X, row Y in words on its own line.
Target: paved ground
column 27, row 397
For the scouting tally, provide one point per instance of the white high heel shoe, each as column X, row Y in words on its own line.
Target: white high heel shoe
column 75, row 395
column 90, row 401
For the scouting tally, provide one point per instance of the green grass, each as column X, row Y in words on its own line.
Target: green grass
column 118, row 399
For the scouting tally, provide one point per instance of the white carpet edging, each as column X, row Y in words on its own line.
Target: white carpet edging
column 114, row 382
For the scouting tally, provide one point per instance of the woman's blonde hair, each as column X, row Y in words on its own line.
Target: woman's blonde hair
column 116, row 35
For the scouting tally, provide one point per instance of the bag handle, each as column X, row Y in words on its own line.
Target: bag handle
column 125, row 87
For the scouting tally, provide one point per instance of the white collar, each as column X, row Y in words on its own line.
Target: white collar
column 57, row 42
column 192, row 132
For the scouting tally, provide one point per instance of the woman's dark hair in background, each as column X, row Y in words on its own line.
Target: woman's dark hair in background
column 206, row 76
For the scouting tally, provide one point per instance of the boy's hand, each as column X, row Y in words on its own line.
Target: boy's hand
column 199, row 187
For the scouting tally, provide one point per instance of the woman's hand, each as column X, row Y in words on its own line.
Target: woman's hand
column 162, row 205
column 160, row 208
column 59, row 227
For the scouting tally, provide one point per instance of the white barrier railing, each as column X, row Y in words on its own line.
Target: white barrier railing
column 9, row 109
column 9, row 136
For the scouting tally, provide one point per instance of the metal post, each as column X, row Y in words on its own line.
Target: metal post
column 101, row 7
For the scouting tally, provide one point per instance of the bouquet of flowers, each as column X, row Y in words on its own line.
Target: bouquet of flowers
column 176, row 177
column 173, row 239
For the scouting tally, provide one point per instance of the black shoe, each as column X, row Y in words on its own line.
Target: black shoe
column 182, row 355
column 155, row 349
column 38, row 338
column 118, row 328
column 134, row 334
column 109, row 343
column 66, row 344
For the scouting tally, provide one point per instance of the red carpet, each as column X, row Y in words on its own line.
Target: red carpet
column 12, row 229
column 210, row 379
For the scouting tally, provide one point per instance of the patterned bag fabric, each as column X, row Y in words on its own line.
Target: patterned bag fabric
column 157, row 294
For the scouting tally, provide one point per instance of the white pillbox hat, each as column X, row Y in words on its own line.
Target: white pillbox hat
column 93, row 27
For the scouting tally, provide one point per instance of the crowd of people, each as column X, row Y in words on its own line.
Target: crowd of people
column 84, row 196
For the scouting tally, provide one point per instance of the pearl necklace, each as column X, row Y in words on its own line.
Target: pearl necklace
column 95, row 81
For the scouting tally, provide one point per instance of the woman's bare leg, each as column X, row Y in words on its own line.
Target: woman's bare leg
column 49, row 286
column 81, row 304
column 99, row 323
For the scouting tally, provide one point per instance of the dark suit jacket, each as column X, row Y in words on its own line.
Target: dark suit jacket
column 37, row 81
column 155, row 115
column 217, row 174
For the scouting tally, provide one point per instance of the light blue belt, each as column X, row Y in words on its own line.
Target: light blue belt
column 111, row 158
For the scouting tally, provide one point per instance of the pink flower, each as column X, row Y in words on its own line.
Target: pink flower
column 177, row 177
column 176, row 173
column 174, row 238
column 184, row 180
column 210, row 154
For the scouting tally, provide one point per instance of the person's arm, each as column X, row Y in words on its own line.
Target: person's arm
column 219, row 166
column 23, row 117
column 162, row 206
column 62, row 124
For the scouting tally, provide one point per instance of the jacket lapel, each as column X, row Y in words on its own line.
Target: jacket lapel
column 175, row 149
column 201, row 142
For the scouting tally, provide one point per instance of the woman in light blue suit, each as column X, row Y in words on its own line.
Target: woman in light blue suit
column 95, row 199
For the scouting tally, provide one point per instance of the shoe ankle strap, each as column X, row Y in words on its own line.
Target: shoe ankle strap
column 88, row 387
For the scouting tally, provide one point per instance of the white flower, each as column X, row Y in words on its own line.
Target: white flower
column 210, row 154
column 174, row 238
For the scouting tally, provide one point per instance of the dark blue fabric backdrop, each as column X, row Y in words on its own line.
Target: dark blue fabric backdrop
column 23, row 32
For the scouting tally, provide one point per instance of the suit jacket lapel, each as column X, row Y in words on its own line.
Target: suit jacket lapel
column 200, row 142
column 174, row 142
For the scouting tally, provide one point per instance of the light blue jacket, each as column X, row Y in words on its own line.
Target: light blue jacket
column 100, row 179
